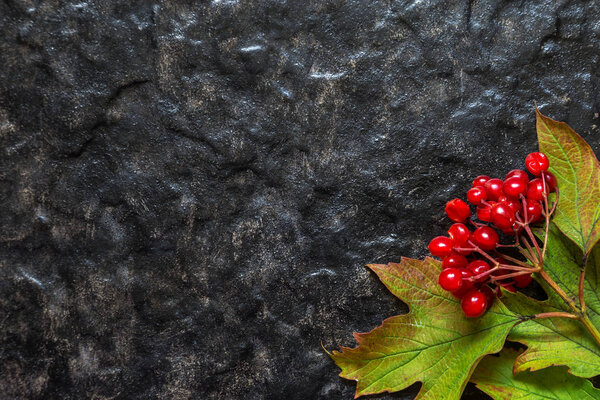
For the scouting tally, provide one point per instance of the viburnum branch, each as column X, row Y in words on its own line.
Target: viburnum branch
column 511, row 206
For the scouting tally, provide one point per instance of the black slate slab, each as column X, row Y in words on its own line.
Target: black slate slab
column 189, row 191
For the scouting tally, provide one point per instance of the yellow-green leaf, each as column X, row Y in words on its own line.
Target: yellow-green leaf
column 578, row 173
column 495, row 377
column 434, row 343
column 551, row 341
column 559, row 341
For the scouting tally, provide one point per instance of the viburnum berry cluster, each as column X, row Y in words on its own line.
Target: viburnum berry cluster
column 473, row 266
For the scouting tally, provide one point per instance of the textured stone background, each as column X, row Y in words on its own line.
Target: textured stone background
column 190, row 190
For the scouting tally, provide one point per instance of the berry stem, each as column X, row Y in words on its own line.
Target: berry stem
column 535, row 243
column 555, row 202
column 483, row 274
column 557, row 314
column 482, row 252
column 508, row 276
column 547, row 213
column 547, row 226
column 509, row 267
column 528, row 252
column 524, row 206
column 581, row 282
column 476, row 224
column 507, row 245
column 518, row 262
column 498, row 267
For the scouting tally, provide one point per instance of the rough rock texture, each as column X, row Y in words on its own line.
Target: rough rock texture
column 190, row 190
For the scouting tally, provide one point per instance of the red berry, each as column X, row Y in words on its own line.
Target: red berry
column 498, row 292
column 551, row 182
column 450, row 279
column 485, row 237
column 513, row 204
column 460, row 293
column 454, row 260
column 494, row 188
column 457, row 210
column 474, row 303
column 536, row 163
column 479, row 267
column 519, row 173
column 476, row 194
column 514, row 186
column 509, row 231
column 509, row 286
column 440, row 246
column 480, row 180
column 484, row 213
column 522, row 281
column 534, row 211
column 459, row 234
column 535, row 190
column 489, row 294
column 502, row 216
column 466, row 274
column 500, row 260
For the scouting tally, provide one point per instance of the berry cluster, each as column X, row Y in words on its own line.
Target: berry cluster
column 473, row 269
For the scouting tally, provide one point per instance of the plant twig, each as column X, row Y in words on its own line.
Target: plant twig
column 508, row 276
column 518, row 262
column 535, row 243
column 581, row 298
column 557, row 314
column 581, row 283
column 529, row 254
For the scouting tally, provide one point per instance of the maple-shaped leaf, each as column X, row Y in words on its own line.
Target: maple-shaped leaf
column 434, row 343
column 559, row 341
column 577, row 171
column 495, row 377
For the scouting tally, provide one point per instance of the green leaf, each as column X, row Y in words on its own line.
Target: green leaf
column 578, row 173
column 551, row 341
column 559, row 341
column 494, row 376
column 434, row 343
column 591, row 289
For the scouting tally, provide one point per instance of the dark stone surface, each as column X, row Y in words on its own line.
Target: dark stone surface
column 190, row 190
